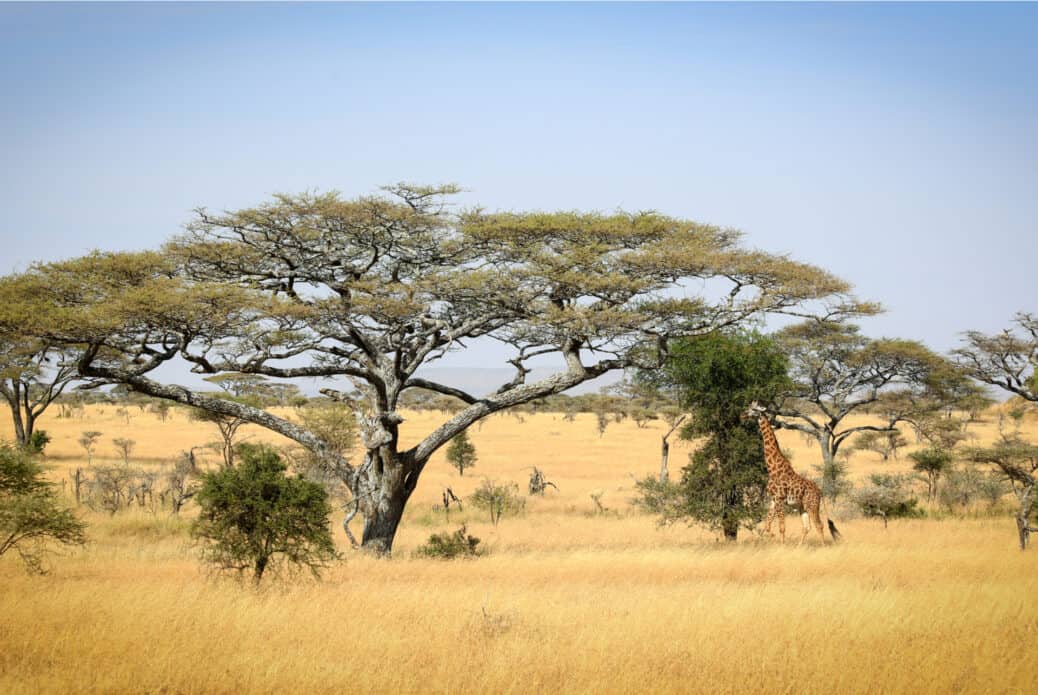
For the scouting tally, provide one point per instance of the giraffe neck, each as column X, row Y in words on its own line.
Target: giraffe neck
column 773, row 457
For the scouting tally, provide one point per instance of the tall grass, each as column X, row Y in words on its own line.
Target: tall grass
column 567, row 600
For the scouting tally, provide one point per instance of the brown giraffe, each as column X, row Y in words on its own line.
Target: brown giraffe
column 785, row 486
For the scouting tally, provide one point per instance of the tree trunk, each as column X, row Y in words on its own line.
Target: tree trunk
column 1023, row 517
column 384, row 484
column 731, row 529
column 664, row 459
column 258, row 568
column 19, row 428
column 829, row 481
column 380, row 526
column 13, row 395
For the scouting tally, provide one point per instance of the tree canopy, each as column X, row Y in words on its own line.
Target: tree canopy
column 1007, row 360
column 837, row 371
column 367, row 290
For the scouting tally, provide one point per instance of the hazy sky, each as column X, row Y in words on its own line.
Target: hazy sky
column 895, row 145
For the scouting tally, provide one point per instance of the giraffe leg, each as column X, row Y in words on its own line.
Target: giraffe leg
column 771, row 517
column 782, row 522
column 816, row 519
column 806, row 528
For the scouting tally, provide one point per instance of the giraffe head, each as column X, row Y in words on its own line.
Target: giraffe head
column 754, row 411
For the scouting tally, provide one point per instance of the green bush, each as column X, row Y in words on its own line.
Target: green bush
column 38, row 441
column 448, row 546
column 30, row 515
column 254, row 516
column 498, row 499
column 888, row 497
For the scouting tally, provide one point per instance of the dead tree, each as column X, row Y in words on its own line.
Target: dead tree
column 450, row 498
column 77, row 484
column 180, row 485
column 538, row 483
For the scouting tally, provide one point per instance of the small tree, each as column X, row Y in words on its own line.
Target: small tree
column 255, row 515
column 179, row 485
column 461, row 452
column 33, row 375
column 931, row 462
column 161, row 409
column 109, row 487
column 88, row 440
column 227, row 425
column 888, row 497
column 650, row 396
column 1007, row 359
column 886, row 444
column 124, row 447
column 498, row 500
column 30, row 515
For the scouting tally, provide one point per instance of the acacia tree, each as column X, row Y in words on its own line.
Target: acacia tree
column 370, row 289
column 32, row 375
column 1007, row 360
column 838, row 372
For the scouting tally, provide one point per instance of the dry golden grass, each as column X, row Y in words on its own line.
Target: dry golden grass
column 565, row 601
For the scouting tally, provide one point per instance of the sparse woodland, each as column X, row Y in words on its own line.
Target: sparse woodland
column 602, row 540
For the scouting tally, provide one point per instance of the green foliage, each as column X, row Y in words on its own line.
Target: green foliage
column 332, row 422
column 498, row 500
column 255, row 517
column 931, row 462
column 38, row 441
column 833, row 480
column 448, row 546
column 31, row 516
column 717, row 377
column 887, row 496
column 886, row 444
column 461, row 453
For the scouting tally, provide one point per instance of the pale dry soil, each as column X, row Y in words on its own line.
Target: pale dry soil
column 565, row 600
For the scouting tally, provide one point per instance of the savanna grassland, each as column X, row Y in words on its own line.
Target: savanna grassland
column 566, row 599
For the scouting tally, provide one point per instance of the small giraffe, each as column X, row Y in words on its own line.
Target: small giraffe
column 785, row 486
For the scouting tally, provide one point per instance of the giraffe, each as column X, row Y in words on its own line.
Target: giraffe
column 785, row 486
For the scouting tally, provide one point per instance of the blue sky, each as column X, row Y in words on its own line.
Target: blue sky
column 892, row 144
